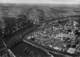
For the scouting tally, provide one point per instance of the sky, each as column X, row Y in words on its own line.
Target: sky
column 42, row 1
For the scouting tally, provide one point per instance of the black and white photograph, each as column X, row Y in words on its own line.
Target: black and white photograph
column 39, row 28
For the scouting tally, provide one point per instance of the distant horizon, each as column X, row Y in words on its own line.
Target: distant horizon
column 36, row 4
column 41, row 1
column 70, row 5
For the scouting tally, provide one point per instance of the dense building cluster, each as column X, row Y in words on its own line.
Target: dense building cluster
column 60, row 35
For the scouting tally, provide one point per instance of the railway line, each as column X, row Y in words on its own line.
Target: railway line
column 49, row 50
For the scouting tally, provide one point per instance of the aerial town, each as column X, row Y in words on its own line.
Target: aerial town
column 39, row 31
